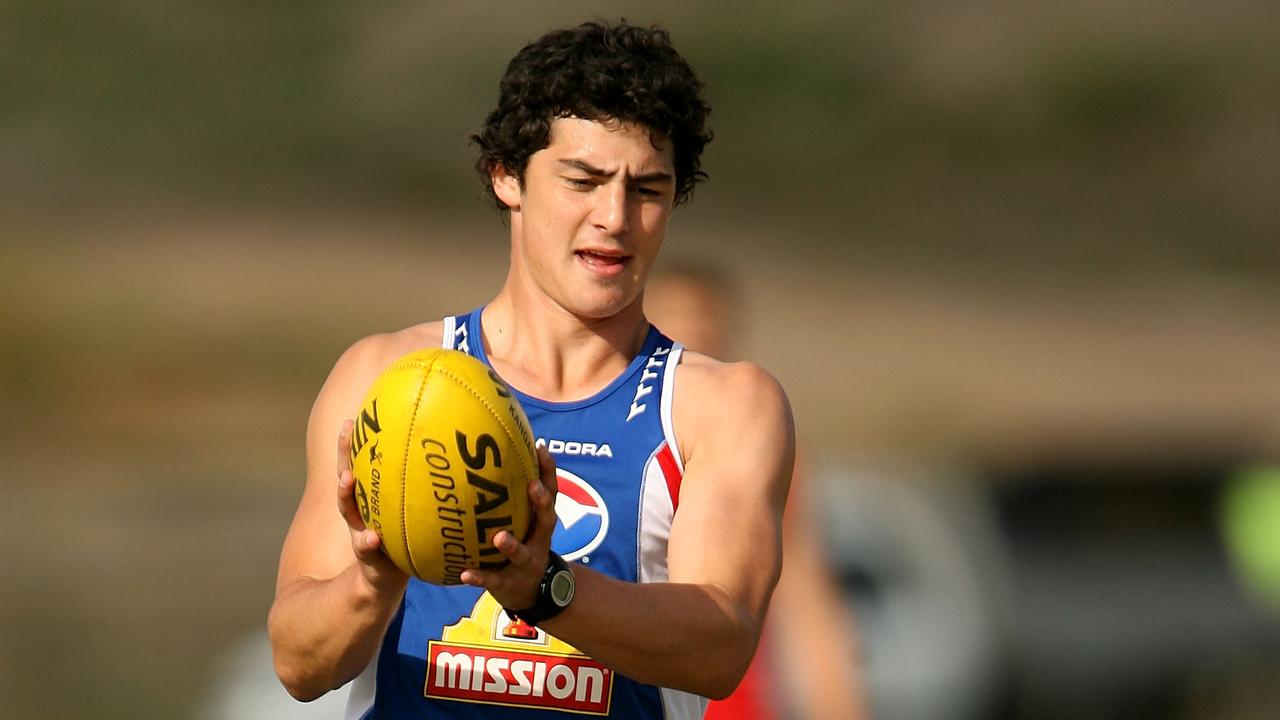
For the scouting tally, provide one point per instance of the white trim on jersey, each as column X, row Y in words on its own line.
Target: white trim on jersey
column 450, row 327
column 657, row 509
column 360, row 698
column 681, row 705
column 657, row 505
column 668, row 392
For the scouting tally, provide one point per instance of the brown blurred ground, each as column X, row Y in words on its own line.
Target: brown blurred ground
column 160, row 376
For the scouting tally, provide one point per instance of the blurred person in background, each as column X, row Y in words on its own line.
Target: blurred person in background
column 805, row 666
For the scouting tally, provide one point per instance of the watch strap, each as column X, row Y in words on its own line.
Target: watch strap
column 545, row 606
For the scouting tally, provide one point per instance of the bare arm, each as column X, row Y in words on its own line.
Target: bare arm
column 698, row 631
column 335, row 590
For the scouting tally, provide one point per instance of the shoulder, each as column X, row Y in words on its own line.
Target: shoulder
column 358, row 366
column 735, row 432
column 706, row 383
column 382, row 348
column 729, row 402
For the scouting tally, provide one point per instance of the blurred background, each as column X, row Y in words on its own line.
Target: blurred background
column 1017, row 265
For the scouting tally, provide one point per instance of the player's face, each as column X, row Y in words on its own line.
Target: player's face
column 591, row 214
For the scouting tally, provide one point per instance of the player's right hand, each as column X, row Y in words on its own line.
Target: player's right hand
column 376, row 567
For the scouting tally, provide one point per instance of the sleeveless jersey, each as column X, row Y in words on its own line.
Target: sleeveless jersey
column 453, row 652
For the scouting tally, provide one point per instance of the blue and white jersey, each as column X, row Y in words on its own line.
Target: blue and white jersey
column 452, row 652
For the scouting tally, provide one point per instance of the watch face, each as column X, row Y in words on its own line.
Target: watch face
column 562, row 588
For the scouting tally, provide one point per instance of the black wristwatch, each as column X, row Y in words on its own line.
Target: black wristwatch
column 555, row 592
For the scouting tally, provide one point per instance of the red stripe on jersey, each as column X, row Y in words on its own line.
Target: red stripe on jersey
column 671, row 473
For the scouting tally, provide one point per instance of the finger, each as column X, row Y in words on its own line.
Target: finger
column 375, row 565
column 541, row 497
column 543, row 525
column 516, row 552
column 367, row 545
column 347, row 501
column 544, row 501
column 519, row 590
column 547, row 470
column 476, row 578
column 541, row 530
column 543, row 490
column 344, row 446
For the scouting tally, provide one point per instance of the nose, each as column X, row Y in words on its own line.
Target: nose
column 611, row 214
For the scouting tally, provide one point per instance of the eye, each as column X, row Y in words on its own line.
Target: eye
column 647, row 191
column 580, row 183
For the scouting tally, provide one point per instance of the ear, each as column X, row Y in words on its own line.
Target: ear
column 506, row 186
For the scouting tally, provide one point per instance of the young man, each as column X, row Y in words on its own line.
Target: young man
column 671, row 523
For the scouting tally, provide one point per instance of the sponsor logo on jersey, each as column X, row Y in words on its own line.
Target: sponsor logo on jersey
column 575, row 447
column 582, row 517
column 492, row 658
column 524, row 679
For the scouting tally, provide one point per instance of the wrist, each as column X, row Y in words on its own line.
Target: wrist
column 372, row 588
column 554, row 593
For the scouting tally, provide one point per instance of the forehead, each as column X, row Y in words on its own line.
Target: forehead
column 610, row 145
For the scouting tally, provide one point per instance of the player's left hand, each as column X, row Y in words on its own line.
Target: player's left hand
column 515, row 585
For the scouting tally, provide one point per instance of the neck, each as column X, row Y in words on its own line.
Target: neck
column 548, row 352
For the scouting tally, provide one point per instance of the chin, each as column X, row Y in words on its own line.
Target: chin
column 599, row 307
column 596, row 312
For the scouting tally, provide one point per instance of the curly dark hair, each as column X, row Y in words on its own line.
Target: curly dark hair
column 596, row 71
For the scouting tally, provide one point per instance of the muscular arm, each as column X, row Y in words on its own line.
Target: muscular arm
column 335, row 590
column 698, row 631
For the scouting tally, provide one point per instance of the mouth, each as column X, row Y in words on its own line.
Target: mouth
column 603, row 261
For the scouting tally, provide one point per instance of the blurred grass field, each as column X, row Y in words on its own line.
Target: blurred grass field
column 970, row 235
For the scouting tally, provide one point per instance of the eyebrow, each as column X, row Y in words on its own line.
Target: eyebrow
column 656, row 176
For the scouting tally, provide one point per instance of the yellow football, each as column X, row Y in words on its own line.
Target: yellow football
column 442, row 456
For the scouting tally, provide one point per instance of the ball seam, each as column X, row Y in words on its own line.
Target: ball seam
column 404, row 474
column 496, row 415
